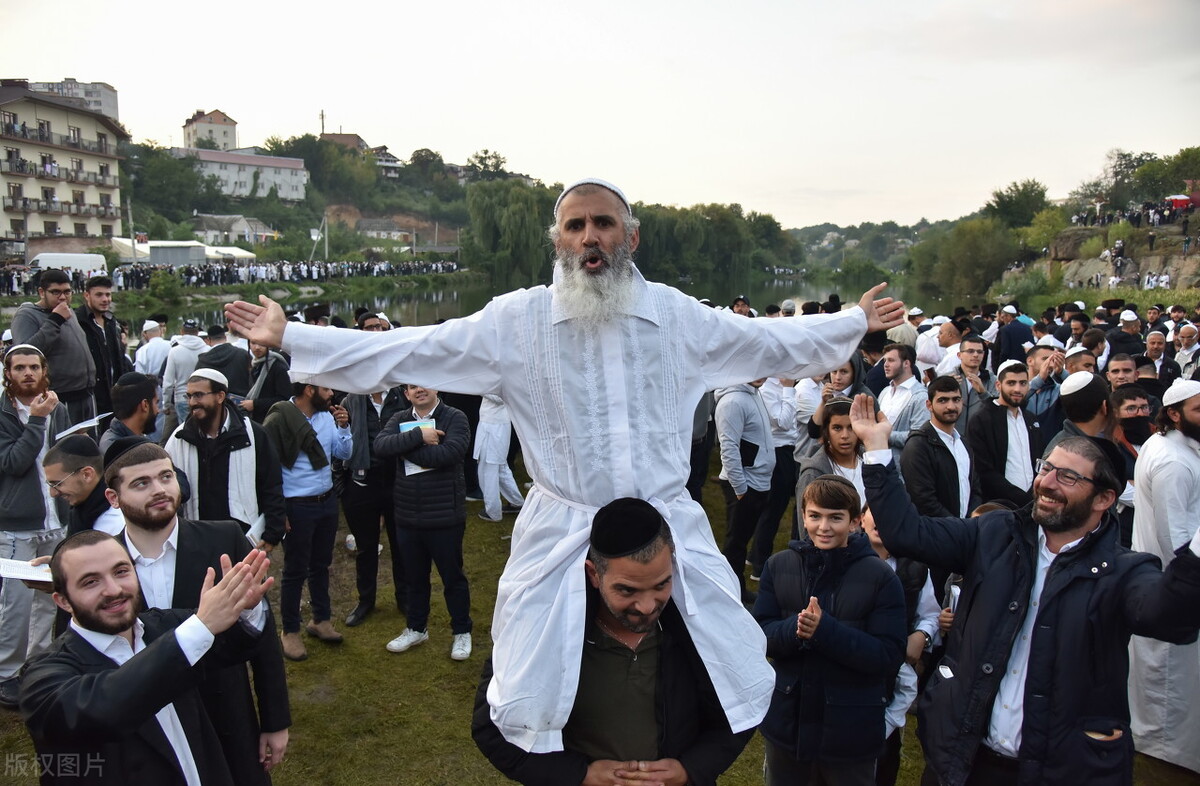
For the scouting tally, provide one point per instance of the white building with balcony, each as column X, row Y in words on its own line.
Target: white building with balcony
column 59, row 172
column 97, row 96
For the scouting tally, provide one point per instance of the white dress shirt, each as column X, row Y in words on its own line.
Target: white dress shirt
column 1018, row 469
column 962, row 459
column 194, row 639
column 893, row 397
column 157, row 574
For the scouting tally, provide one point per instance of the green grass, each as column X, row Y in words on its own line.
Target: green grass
column 362, row 715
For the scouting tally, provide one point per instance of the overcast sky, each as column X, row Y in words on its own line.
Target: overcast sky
column 864, row 110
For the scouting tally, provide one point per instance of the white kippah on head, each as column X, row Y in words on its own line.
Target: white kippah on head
column 941, row 319
column 1010, row 309
column 915, row 311
column 1129, row 316
column 592, row 181
column 212, row 375
column 1006, row 365
column 149, row 325
column 1049, row 340
column 1076, row 382
column 1181, row 390
column 1076, row 350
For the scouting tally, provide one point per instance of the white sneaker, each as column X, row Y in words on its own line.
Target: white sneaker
column 409, row 639
column 461, row 648
column 351, row 544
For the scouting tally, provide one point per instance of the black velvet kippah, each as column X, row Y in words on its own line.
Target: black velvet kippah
column 122, row 445
column 624, row 526
column 78, row 445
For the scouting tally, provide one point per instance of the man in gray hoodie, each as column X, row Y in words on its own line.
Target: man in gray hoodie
column 181, row 362
column 52, row 327
column 747, row 463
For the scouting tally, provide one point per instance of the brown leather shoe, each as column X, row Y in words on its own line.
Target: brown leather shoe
column 324, row 631
column 293, row 646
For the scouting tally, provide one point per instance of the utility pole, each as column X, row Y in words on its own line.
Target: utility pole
column 322, row 122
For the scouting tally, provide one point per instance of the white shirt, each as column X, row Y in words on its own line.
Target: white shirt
column 1008, row 713
column 948, row 364
column 157, row 574
column 602, row 412
column 194, row 639
column 962, row 459
column 893, row 397
column 855, row 477
column 781, row 412
column 1018, row 469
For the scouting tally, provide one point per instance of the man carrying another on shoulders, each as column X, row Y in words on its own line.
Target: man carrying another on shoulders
column 645, row 711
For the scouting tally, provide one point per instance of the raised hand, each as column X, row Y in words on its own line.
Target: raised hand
column 871, row 427
column 241, row 587
column 44, row 404
column 808, row 620
column 882, row 314
column 262, row 324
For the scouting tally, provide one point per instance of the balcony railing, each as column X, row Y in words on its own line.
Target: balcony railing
column 18, row 166
column 57, row 207
column 22, row 131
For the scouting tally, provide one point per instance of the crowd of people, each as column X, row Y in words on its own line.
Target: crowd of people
column 985, row 501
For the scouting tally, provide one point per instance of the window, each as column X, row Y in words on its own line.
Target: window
column 241, row 167
column 222, row 167
column 9, row 122
column 277, row 171
column 50, row 227
column 106, row 230
column 44, row 130
column 48, row 194
column 16, row 190
column 104, row 170
column 76, row 164
column 106, row 200
column 81, row 230
column 12, row 154
column 102, row 142
column 74, row 135
column 77, row 197
column 17, row 227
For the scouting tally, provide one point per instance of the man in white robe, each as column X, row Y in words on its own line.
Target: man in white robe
column 1164, row 679
column 602, row 372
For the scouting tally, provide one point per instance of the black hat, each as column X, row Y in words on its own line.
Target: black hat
column 741, row 298
column 120, row 447
column 874, row 342
column 1113, row 303
column 132, row 378
column 1113, row 453
column 624, row 526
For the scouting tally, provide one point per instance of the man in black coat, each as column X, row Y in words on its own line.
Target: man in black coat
column 1034, row 688
column 1011, row 338
column 1004, row 466
column 115, row 700
column 936, row 473
column 1126, row 339
column 644, row 695
column 233, row 362
column 254, row 740
column 431, row 511
column 103, row 338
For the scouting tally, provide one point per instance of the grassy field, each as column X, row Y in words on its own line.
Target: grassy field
column 365, row 716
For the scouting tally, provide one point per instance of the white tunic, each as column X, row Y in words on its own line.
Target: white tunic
column 601, row 413
column 1164, row 679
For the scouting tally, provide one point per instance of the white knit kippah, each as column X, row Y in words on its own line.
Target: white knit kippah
column 1076, row 382
column 1181, row 390
column 592, row 181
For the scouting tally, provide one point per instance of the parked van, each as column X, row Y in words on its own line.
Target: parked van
column 84, row 263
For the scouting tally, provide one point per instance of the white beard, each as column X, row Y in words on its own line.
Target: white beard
column 595, row 299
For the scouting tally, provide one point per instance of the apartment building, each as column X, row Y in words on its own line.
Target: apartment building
column 59, row 173
column 97, row 96
column 215, row 126
column 250, row 175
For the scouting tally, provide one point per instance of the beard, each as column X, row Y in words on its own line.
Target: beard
column 319, row 402
column 637, row 623
column 152, row 520
column 1011, row 402
column 1188, row 428
column 90, row 619
column 17, row 389
column 595, row 298
column 1070, row 516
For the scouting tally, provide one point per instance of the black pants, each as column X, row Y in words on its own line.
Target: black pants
column 783, row 488
column 988, row 769
column 701, row 450
column 741, row 517
column 443, row 548
column 364, row 506
column 307, row 555
column 887, row 767
column 784, row 770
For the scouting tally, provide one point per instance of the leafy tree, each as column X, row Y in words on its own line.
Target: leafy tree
column 1044, row 228
column 204, row 143
column 1016, row 205
column 1163, row 177
column 486, row 165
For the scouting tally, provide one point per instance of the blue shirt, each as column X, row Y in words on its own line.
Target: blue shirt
column 301, row 480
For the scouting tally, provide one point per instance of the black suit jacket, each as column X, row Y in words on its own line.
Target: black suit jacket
column 226, row 692
column 987, row 441
column 77, row 702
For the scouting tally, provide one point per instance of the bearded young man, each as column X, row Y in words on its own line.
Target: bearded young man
column 1035, row 691
column 602, row 372
column 31, row 523
column 1003, row 439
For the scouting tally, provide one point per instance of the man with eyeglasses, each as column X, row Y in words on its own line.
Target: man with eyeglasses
column 975, row 382
column 1034, row 687
column 1167, row 498
column 53, row 328
column 31, row 520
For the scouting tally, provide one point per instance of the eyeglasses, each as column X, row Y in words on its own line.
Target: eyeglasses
column 55, row 484
column 1067, row 477
column 197, row 396
column 1135, row 409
